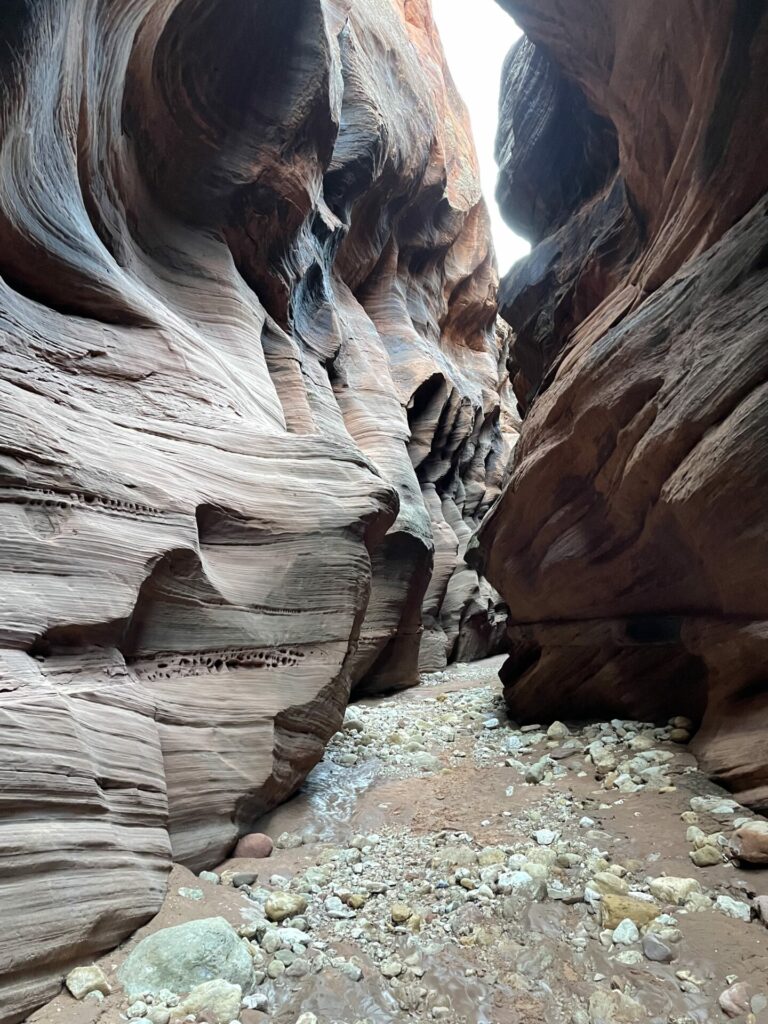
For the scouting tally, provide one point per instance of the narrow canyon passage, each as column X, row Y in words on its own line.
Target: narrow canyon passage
column 317, row 534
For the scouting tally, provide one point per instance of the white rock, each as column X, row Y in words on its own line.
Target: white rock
column 626, row 933
column 718, row 807
column 351, row 971
column 733, row 908
column 289, row 841
column 545, row 836
column 630, row 957
column 425, row 761
column 353, row 721
column 257, row 1001
column 558, row 731
column 337, row 909
column 674, row 890
column 521, row 883
column 391, row 968
column 84, row 980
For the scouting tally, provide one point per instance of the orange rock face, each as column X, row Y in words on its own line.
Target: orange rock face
column 632, row 541
column 250, row 388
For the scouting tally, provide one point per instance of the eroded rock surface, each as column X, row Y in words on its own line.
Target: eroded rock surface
column 631, row 543
column 250, row 386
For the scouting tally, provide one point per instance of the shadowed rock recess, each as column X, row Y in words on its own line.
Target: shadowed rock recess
column 251, row 396
column 631, row 543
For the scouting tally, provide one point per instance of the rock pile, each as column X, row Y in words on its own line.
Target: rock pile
column 574, row 887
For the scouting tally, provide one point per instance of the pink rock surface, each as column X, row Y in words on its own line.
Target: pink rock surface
column 255, row 844
column 734, row 1001
column 251, row 392
column 750, row 842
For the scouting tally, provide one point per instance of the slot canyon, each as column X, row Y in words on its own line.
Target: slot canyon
column 381, row 638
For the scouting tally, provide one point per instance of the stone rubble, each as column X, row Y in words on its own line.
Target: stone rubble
column 381, row 910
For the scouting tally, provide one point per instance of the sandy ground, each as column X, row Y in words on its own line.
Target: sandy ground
column 417, row 777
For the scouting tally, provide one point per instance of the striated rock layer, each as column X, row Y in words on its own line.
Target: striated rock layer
column 632, row 541
column 251, row 393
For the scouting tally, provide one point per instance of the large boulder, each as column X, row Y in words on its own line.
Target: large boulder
column 180, row 958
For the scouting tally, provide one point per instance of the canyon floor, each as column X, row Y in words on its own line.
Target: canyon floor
column 446, row 865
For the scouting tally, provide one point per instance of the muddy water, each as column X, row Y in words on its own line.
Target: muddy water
column 420, row 776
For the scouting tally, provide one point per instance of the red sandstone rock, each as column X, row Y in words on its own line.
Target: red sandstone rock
column 734, row 1001
column 631, row 543
column 250, row 388
column 750, row 842
column 255, row 844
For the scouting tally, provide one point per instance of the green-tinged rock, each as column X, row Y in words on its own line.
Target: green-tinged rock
column 491, row 855
column 454, row 856
column 614, row 1008
column 400, row 912
column 187, row 955
column 706, row 856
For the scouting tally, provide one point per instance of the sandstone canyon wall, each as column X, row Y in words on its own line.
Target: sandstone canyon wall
column 632, row 541
column 251, row 396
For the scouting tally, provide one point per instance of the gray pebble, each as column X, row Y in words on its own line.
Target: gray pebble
column 656, row 950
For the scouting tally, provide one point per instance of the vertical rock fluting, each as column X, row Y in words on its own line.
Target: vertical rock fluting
column 251, row 392
column 631, row 542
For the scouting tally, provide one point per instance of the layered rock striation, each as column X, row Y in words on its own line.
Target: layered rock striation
column 632, row 543
column 251, row 393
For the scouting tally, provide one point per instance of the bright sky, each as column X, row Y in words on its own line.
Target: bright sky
column 476, row 44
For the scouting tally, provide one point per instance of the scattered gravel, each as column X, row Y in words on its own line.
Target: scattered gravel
column 551, row 907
